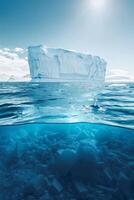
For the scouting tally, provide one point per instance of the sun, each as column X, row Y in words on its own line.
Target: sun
column 98, row 4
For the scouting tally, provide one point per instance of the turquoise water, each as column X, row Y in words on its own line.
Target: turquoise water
column 62, row 141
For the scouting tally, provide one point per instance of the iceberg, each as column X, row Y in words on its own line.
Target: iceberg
column 49, row 64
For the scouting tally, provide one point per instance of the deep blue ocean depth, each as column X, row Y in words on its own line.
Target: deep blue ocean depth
column 64, row 142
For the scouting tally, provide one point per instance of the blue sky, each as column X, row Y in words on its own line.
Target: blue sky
column 104, row 28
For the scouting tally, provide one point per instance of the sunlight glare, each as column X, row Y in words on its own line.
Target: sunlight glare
column 98, row 5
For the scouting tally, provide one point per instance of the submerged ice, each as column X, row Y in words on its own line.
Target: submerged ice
column 60, row 64
column 77, row 161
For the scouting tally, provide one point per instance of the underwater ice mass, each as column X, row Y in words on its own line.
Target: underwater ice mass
column 49, row 64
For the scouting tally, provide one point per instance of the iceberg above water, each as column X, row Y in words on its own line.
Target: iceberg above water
column 49, row 64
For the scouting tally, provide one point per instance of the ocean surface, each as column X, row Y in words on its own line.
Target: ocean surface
column 66, row 141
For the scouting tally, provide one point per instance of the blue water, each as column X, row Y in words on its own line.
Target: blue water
column 66, row 142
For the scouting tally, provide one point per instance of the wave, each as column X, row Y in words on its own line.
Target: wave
column 65, row 102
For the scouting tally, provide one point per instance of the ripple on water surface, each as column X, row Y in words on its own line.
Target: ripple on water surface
column 66, row 102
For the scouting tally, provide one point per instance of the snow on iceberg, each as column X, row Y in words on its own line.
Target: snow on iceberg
column 49, row 64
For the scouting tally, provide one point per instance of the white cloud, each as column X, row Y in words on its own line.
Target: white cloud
column 119, row 75
column 13, row 63
column 20, row 50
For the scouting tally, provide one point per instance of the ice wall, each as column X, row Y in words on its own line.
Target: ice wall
column 48, row 64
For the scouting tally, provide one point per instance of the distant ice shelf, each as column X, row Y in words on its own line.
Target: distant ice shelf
column 49, row 64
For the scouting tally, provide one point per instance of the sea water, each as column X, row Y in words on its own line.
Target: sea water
column 63, row 141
